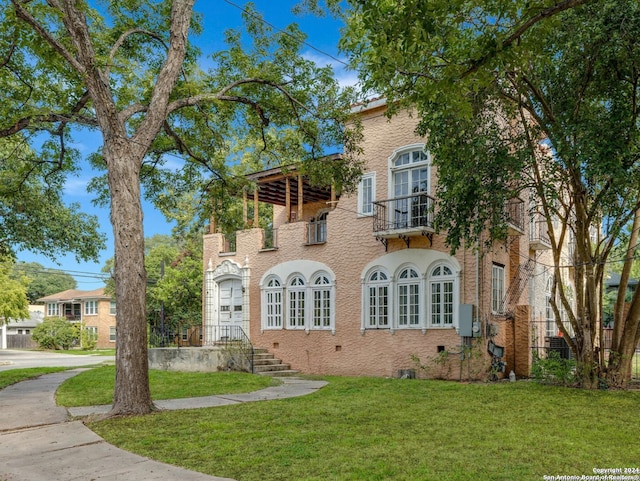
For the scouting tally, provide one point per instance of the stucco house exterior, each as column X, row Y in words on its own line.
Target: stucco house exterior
column 361, row 284
column 95, row 309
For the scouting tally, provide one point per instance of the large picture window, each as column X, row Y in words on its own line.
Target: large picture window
column 410, row 299
column 305, row 301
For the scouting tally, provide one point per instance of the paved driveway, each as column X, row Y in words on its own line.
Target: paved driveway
column 15, row 359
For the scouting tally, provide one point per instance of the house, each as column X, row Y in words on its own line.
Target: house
column 95, row 309
column 16, row 334
column 362, row 285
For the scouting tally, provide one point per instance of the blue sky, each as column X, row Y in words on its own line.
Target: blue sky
column 219, row 15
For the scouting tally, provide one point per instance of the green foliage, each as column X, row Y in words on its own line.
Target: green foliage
column 41, row 281
column 56, row 333
column 32, row 213
column 13, row 293
column 554, row 370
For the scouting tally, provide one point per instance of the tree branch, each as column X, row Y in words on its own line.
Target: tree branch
column 540, row 16
column 22, row 13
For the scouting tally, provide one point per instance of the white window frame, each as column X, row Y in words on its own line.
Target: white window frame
column 112, row 308
column 551, row 328
column 443, row 312
column 91, row 308
column 273, row 303
column 367, row 183
column 92, row 332
column 112, row 333
column 53, row 309
column 322, row 299
column 296, row 303
column 497, row 288
column 409, row 313
column 377, row 300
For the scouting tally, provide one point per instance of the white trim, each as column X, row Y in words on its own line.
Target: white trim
column 369, row 176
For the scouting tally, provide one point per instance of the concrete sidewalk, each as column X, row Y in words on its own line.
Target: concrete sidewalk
column 39, row 443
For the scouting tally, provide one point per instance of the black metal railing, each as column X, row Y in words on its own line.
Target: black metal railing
column 239, row 350
column 539, row 233
column 514, row 210
column 406, row 212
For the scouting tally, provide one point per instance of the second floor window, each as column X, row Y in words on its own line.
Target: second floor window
column 497, row 289
column 90, row 308
column 53, row 309
column 366, row 194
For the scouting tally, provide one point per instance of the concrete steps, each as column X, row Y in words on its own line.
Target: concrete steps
column 266, row 364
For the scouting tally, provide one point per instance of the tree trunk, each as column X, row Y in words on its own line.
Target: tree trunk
column 132, row 394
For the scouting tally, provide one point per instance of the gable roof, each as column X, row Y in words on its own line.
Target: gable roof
column 75, row 294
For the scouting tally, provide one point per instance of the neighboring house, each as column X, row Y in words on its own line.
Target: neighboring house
column 95, row 309
column 17, row 332
column 361, row 285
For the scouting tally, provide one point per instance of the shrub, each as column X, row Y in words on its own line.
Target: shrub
column 554, row 370
column 56, row 333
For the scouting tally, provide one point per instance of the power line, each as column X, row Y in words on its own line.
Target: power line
column 304, row 42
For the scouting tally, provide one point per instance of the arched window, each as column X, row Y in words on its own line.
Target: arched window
column 321, row 294
column 273, row 303
column 442, row 300
column 296, row 298
column 410, row 184
column 376, row 295
column 408, row 297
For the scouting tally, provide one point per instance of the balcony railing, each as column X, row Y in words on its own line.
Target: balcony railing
column 317, row 232
column 403, row 214
column 539, row 235
column 514, row 210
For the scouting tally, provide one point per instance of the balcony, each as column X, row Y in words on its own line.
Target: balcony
column 403, row 217
column 539, row 235
column 514, row 210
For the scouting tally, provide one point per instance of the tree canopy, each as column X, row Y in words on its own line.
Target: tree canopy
column 529, row 99
column 42, row 281
column 13, row 293
column 128, row 70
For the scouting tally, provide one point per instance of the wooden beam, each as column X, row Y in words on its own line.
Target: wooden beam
column 244, row 207
column 287, row 199
column 300, row 196
column 255, row 207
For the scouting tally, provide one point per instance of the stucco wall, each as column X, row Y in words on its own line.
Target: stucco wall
column 350, row 247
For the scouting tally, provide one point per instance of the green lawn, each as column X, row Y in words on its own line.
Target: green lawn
column 95, row 386
column 12, row 376
column 391, row 429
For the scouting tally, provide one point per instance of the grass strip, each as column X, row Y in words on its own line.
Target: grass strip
column 95, row 386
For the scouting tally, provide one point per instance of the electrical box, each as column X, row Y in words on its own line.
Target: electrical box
column 466, row 322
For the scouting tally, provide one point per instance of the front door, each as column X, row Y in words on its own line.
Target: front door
column 230, row 313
